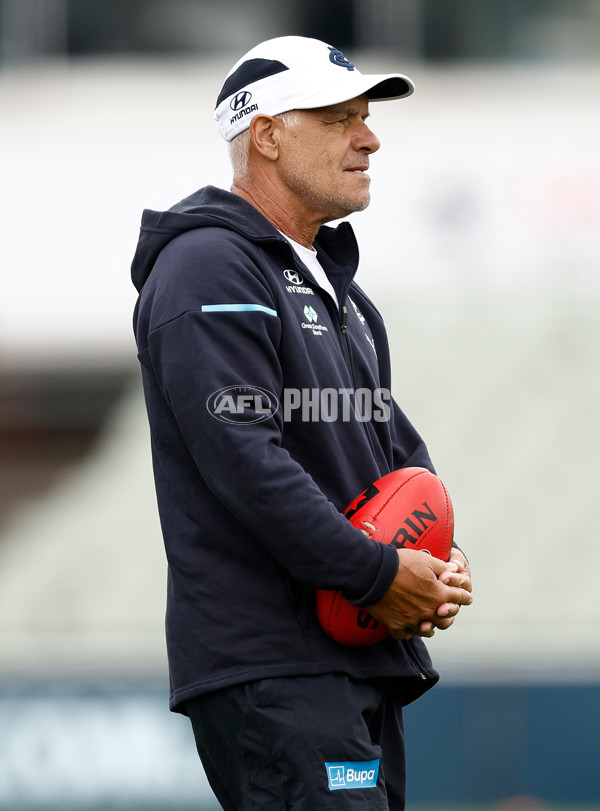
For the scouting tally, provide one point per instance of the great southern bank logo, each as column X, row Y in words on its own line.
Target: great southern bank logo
column 310, row 314
column 242, row 404
column 349, row 775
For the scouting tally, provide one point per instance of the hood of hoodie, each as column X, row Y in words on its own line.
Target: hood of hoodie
column 210, row 207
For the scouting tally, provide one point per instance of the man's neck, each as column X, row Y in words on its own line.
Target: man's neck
column 282, row 212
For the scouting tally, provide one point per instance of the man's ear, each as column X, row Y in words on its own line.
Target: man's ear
column 265, row 135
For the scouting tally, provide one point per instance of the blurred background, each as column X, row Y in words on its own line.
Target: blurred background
column 481, row 246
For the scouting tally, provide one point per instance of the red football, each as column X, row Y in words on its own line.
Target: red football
column 409, row 508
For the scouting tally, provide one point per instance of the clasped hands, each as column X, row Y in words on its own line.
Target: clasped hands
column 426, row 594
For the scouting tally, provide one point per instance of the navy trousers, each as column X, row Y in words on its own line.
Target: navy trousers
column 303, row 743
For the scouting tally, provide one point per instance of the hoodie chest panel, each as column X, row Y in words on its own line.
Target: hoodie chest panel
column 331, row 389
column 361, row 343
column 315, row 346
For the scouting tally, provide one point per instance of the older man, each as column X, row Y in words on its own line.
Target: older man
column 248, row 314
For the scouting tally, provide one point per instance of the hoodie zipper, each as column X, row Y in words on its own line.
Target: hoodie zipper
column 349, row 365
column 344, row 324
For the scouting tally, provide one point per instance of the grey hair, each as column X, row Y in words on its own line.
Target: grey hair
column 239, row 146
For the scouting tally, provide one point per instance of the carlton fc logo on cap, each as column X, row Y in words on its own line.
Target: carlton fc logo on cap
column 338, row 58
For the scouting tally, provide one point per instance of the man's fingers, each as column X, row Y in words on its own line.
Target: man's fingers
column 448, row 610
column 438, row 566
column 459, row 596
column 425, row 629
column 411, row 606
column 461, row 580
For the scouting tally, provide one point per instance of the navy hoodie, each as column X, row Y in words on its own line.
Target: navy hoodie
column 269, row 412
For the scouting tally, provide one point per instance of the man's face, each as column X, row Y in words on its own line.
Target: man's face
column 324, row 159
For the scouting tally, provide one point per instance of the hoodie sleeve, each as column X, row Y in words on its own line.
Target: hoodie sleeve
column 214, row 324
column 409, row 449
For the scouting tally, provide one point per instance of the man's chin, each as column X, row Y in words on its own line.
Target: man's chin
column 355, row 203
column 362, row 204
column 359, row 205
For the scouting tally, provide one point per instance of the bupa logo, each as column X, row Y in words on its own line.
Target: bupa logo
column 240, row 100
column 244, row 405
column 336, row 776
column 338, row 58
column 349, row 775
column 310, row 314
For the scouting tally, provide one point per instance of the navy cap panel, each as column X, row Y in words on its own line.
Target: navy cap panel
column 250, row 71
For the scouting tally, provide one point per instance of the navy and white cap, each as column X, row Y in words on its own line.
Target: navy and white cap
column 296, row 73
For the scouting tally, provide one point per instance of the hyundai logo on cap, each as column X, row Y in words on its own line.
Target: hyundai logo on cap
column 296, row 73
column 240, row 100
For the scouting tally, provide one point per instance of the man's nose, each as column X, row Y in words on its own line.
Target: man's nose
column 366, row 140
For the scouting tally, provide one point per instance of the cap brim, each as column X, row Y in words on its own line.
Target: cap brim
column 390, row 87
column 375, row 87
